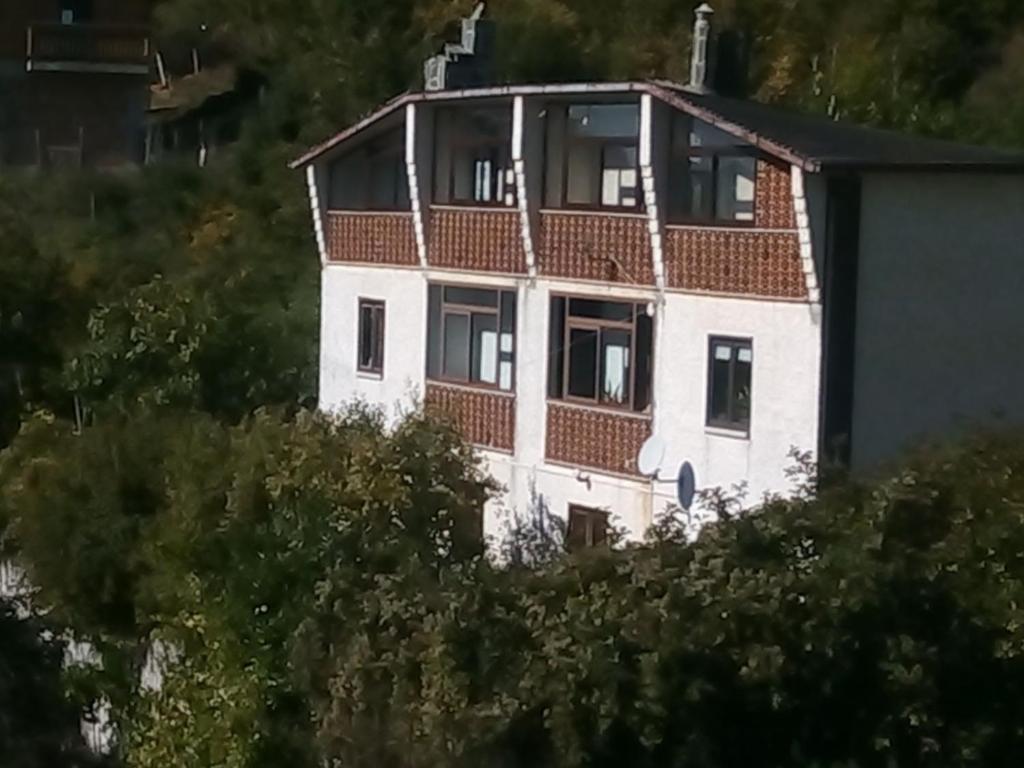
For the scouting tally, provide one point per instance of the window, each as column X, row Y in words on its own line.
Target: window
column 587, row 528
column 712, row 176
column 75, row 11
column 371, row 177
column 473, row 157
column 601, row 156
column 729, row 379
column 371, row 336
column 471, row 335
column 600, row 352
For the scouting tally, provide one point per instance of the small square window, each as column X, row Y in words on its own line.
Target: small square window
column 587, row 528
column 729, row 383
column 371, row 336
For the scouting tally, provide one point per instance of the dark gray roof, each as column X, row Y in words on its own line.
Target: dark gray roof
column 837, row 144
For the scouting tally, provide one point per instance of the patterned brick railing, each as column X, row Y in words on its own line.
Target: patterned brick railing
column 595, row 438
column 765, row 264
column 371, row 238
column 477, row 240
column 485, row 419
column 594, row 246
column 773, row 203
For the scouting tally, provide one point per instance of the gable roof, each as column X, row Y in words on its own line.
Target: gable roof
column 812, row 142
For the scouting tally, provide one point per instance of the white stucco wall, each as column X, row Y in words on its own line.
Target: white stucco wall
column 784, row 405
column 939, row 327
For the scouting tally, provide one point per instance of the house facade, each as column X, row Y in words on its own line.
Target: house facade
column 572, row 270
column 74, row 82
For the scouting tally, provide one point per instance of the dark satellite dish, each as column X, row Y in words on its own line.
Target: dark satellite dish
column 686, row 485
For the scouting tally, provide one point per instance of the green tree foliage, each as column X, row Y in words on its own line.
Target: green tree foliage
column 871, row 626
column 39, row 726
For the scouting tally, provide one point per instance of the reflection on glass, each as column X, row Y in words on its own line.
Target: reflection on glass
column 582, row 363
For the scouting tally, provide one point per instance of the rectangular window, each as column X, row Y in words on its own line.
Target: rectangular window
column 729, row 383
column 371, row 177
column 471, row 335
column 600, row 352
column 712, row 174
column 587, row 528
column 371, row 336
column 474, row 157
column 602, row 156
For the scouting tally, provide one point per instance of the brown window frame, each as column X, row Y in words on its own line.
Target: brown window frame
column 569, row 140
column 463, row 142
column 716, row 153
column 730, row 423
column 571, row 322
column 591, row 537
column 450, row 308
column 377, row 310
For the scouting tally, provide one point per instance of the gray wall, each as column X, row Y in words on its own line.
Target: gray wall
column 940, row 325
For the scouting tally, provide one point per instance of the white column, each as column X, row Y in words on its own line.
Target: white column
column 519, row 167
column 414, row 185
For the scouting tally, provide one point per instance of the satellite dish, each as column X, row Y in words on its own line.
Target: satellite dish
column 648, row 461
column 686, row 485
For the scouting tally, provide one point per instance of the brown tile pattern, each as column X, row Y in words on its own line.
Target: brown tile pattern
column 371, row 238
column 583, row 246
column 485, row 419
column 765, row 264
column 773, row 204
column 595, row 438
column 476, row 240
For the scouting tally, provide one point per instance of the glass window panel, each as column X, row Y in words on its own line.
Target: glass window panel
column 723, row 352
column 474, row 297
column 706, row 135
column 601, row 310
column 583, row 363
column 485, row 348
column 584, row 160
column 720, row 389
column 741, row 388
column 615, row 351
column 604, row 120
column 736, row 188
column 462, row 173
column 700, row 175
column 434, row 340
column 365, row 336
column 456, row 346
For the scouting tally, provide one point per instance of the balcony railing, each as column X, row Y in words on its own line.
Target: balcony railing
column 101, row 48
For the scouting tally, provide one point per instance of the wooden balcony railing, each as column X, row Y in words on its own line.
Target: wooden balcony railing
column 485, row 419
column 367, row 237
column 88, row 48
column 595, row 438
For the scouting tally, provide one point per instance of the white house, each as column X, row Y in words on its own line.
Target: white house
column 570, row 270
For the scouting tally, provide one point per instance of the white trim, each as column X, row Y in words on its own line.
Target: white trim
column 733, row 229
column 314, row 206
column 592, row 212
column 803, row 221
column 647, row 179
column 519, row 169
column 414, row 184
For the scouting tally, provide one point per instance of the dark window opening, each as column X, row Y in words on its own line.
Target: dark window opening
column 471, row 336
column 587, row 528
column 371, row 177
column 729, row 383
column 76, row 11
column 371, row 336
column 474, row 158
column 600, row 352
column 712, row 174
column 601, row 156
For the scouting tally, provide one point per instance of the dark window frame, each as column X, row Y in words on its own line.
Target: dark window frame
column 450, row 308
column 596, row 526
column 568, row 140
column 466, row 142
column 736, row 344
column 378, row 315
column 716, row 153
column 571, row 322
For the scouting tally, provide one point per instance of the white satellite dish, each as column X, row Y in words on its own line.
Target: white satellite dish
column 648, row 461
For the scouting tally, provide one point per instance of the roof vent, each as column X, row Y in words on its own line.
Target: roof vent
column 701, row 43
column 467, row 63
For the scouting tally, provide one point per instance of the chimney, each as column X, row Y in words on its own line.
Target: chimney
column 468, row 63
column 701, row 44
